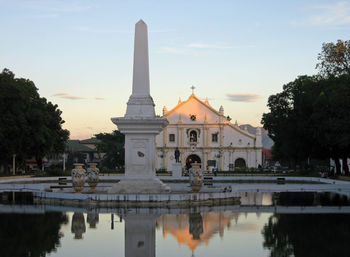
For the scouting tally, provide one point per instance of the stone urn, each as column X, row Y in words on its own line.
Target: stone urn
column 92, row 176
column 78, row 177
column 196, row 177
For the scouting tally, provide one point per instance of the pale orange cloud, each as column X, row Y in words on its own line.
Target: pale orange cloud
column 67, row 96
column 243, row 97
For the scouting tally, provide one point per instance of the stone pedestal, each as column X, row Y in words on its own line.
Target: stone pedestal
column 196, row 177
column 177, row 170
column 140, row 175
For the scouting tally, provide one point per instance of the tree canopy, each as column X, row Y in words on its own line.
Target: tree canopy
column 113, row 147
column 334, row 59
column 309, row 118
column 30, row 126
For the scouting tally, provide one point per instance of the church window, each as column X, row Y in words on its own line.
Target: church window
column 171, row 137
column 214, row 137
column 193, row 117
column 193, row 136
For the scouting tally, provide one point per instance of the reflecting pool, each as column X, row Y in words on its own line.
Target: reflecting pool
column 264, row 224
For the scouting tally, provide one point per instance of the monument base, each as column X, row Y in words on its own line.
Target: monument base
column 139, row 186
column 177, row 170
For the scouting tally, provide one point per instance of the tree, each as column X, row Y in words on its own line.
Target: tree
column 29, row 125
column 309, row 119
column 335, row 62
column 334, row 59
column 113, row 147
column 288, row 121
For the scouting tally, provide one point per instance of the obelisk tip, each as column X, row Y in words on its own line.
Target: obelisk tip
column 140, row 22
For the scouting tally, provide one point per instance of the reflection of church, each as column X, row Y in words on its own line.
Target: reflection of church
column 195, row 228
column 206, row 136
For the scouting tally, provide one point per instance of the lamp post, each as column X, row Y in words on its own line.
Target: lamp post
column 14, row 164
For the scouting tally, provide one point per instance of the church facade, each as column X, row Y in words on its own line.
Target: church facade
column 206, row 136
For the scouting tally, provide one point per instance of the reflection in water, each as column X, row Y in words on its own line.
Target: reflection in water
column 256, row 198
column 92, row 219
column 78, row 225
column 311, row 199
column 25, row 235
column 307, row 235
column 196, row 225
column 241, row 229
column 195, row 228
column 140, row 236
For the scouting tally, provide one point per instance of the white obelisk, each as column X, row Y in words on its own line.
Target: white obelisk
column 140, row 126
column 140, row 103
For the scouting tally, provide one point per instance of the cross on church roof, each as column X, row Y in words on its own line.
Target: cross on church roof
column 193, row 87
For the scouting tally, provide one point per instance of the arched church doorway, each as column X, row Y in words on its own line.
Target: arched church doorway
column 193, row 158
column 240, row 163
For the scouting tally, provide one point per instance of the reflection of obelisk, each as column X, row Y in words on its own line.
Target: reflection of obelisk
column 140, row 235
column 140, row 126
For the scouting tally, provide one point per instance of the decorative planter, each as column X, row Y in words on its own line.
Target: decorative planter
column 196, row 177
column 92, row 176
column 78, row 177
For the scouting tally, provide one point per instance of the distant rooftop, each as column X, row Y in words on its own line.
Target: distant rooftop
column 77, row 146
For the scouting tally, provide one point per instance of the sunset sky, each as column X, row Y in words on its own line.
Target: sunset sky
column 79, row 53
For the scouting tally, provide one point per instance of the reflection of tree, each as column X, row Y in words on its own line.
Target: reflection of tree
column 307, row 235
column 30, row 235
column 310, row 198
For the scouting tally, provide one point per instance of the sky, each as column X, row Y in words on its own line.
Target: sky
column 79, row 53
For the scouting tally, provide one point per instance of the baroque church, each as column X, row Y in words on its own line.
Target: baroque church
column 206, row 136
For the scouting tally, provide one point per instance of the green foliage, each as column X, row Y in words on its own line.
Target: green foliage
column 334, row 59
column 105, row 170
column 112, row 146
column 162, row 170
column 29, row 125
column 75, row 157
column 309, row 119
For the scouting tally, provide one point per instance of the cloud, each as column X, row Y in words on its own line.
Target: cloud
column 107, row 31
column 67, row 96
column 197, row 48
column 244, row 97
column 80, row 135
column 56, row 6
column 208, row 46
column 100, row 98
column 213, row 46
column 336, row 14
column 161, row 30
column 173, row 50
